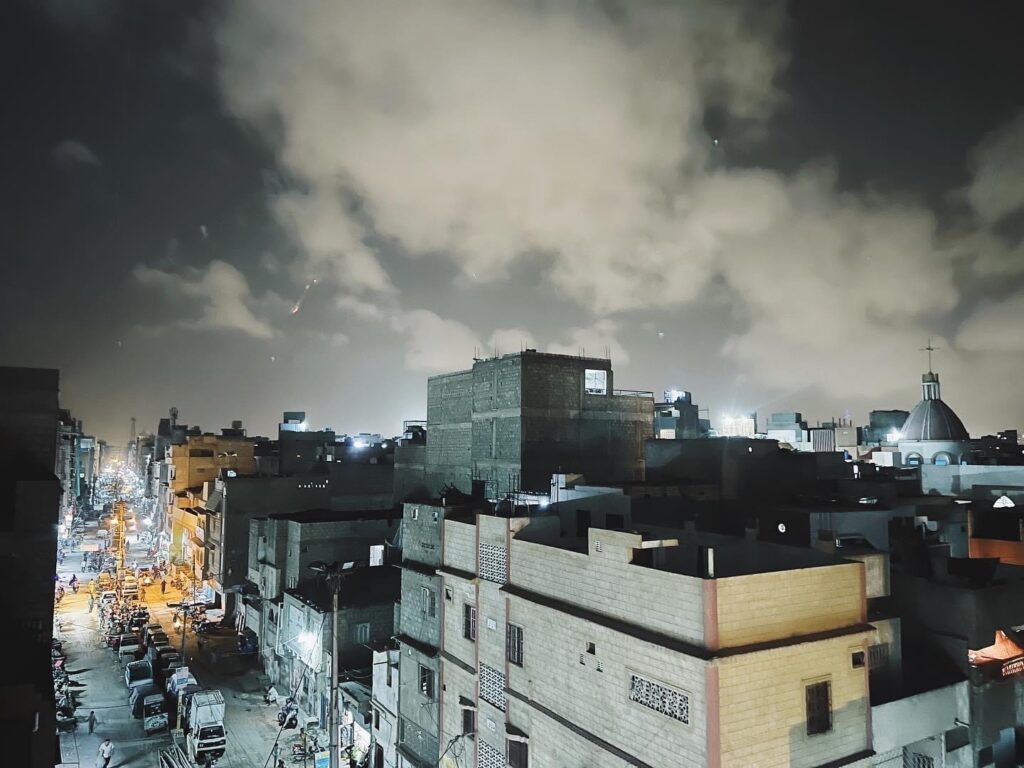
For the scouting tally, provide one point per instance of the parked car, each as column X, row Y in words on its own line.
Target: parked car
column 151, row 628
column 156, row 651
column 165, row 662
column 157, row 638
column 129, row 646
column 154, row 714
column 176, row 684
column 137, row 673
column 138, row 698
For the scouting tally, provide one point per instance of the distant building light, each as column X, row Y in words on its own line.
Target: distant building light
column 782, row 527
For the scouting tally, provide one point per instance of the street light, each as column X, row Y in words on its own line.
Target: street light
column 333, row 574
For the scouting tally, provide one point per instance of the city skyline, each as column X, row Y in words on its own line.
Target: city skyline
column 771, row 207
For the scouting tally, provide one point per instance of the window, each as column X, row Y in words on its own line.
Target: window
column 514, row 644
column 448, row 594
column 818, row 698
column 660, row 698
column 363, row 632
column 595, row 382
column 389, row 674
column 428, row 602
column 468, row 721
column 469, row 621
column 427, row 682
column 376, row 719
column 591, row 649
column 518, row 754
column 857, row 659
column 415, row 513
column 376, row 554
column 492, row 686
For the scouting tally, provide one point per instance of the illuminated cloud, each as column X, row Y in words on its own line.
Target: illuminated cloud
column 221, row 293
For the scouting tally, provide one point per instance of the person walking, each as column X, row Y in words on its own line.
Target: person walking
column 105, row 752
column 163, row 586
column 90, row 603
column 92, row 721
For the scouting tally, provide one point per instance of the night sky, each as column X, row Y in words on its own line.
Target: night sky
column 772, row 206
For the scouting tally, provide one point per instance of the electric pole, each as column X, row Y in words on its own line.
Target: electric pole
column 332, row 575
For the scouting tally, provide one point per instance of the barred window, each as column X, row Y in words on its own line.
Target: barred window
column 514, row 644
column 819, row 707
column 492, row 686
column 493, row 563
column 660, row 698
column 469, row 621
column 427, row 682
column 488, row 756
column 878, row 655
column 428, row 601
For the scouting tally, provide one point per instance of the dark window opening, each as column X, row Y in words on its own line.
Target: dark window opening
column 819, row 707
column 518, row 754
column 468, row 721
column 857, row 658
column 514, row 644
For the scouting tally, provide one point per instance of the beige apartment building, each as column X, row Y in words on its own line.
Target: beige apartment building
column 199, row 460
column 662, row 649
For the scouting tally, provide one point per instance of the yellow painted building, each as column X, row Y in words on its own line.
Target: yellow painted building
column 199, row 460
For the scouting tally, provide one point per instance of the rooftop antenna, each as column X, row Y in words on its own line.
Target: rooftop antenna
column 929, row 349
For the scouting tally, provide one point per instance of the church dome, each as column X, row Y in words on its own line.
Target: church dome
column 931, row 418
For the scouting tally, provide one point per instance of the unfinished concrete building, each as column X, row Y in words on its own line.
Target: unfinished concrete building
column 511, row 422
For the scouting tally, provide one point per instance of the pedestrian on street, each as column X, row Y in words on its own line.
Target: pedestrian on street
column 90, row 603
column 105, row 752
column 92, row 721
column 163, row 586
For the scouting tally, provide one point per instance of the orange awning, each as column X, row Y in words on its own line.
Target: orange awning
column 1002, row 649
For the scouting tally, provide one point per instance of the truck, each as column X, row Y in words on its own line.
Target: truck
column 203, row 721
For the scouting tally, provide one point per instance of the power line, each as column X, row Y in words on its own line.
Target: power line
column 294, row 694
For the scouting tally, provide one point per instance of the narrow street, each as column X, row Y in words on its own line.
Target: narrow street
column 250, row 724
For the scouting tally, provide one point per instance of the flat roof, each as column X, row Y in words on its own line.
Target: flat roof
column 733, row 556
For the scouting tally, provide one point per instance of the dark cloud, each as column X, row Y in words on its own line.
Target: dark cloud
column 469, row 177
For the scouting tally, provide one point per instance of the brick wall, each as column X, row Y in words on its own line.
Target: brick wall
column 450, row 431
column 763, row 705
column 606, row 582
column 592, row 690
column 421, row 533
column 414, row 621
column 460, row 545
column 767, row 606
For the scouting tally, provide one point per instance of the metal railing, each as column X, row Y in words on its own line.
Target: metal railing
column 632, row 393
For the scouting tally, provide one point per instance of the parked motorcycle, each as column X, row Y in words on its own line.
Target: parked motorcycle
column 66, row 724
